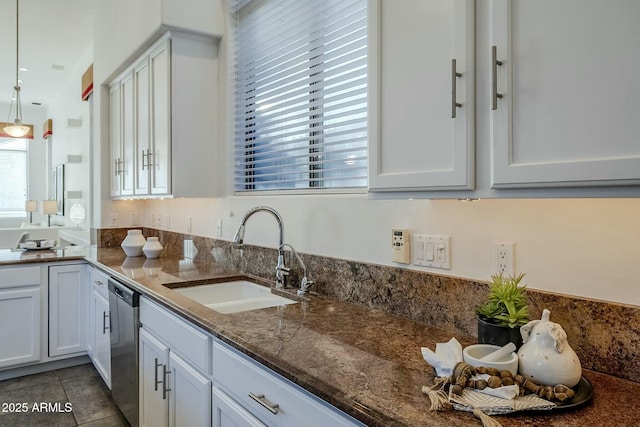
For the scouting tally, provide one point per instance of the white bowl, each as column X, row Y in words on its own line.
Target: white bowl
column 473, row 353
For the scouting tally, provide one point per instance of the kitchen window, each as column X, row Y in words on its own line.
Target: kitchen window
column 13, row 170
column 301, row 95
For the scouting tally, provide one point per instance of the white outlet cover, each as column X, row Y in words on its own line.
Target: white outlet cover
column 503, row 258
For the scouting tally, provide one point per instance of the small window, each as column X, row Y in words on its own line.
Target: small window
column 13, row 170
column 301, row 94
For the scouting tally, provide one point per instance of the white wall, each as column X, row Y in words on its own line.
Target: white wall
column 585, row 247
column 72, row 140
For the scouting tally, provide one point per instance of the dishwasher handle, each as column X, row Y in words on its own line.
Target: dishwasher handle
column 126, row 294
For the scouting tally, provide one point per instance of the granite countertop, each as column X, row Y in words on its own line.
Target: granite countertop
column 365, row 362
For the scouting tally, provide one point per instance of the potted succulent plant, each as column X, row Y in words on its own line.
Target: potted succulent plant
column 504, row 311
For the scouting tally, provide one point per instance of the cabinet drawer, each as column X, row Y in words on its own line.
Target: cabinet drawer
column 20, row 276
column 243, row 378
column 98, row 281
column 190, row 342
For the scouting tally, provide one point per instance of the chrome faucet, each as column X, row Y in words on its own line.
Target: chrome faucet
column 281, row 270
column 305, row 283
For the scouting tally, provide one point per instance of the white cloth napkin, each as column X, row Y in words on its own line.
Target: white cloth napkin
column 445, row 358
column 448, row 355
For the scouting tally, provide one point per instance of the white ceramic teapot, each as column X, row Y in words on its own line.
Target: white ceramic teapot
column 546, row 358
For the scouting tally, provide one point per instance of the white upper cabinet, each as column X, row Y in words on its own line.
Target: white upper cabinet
column 164, row 132
column 421, row 95
column 143, row 133
column 567, row 73
column 159, row 155
column 122, row 136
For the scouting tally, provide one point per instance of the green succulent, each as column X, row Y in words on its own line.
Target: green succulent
column 506, row 303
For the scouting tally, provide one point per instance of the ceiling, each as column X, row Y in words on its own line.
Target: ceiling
column 52, row 34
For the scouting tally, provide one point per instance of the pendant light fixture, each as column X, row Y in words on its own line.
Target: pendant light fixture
column 17, row 129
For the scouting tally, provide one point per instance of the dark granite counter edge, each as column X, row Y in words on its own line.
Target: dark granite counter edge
column 607, row 385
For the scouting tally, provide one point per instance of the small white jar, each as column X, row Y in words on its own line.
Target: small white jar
column 134, row 242
column 152, row 248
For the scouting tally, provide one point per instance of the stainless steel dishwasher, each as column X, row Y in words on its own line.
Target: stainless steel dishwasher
column 124, row 308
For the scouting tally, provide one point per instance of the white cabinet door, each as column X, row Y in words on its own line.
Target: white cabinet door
column 142, row 126
column 568, row 115
column 228, row 413
column 127, row 123
column 154, row 372
column 101, row 329
column 160, row 74
column 121, row 97
column 115, row 101
column 418, row 138
column 67, row 309
column 190, row 395
column 20, row 320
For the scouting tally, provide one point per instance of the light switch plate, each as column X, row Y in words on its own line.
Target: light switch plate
column 432, row 251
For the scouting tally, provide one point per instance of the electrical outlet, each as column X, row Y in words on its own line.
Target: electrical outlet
column 504, row 257
column 134, row 219
column 159, row 220
column 114, row 220
column 218, row 228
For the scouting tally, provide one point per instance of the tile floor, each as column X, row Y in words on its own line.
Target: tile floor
column 79, row 388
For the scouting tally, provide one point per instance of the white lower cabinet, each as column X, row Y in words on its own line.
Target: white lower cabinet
column 67, row 309
column 190, row 402
column 99, row 344
column 20, row 316
column 173, row 389
column 154, row 357
column 228, row 413
column 189, row 378
column 271, row 399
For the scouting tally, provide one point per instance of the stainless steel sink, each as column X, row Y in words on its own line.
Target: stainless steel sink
column 234, row 296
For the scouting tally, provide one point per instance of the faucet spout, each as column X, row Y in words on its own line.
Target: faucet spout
column 239, row 236
column 238, row 240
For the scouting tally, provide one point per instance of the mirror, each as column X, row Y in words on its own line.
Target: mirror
column 57, row 188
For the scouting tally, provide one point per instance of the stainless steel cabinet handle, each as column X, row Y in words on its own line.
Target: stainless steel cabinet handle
column 149, row 155
column 97, row 282
column 156, row 382
column 454, row 77
column 271, row 407
column 104, row 322
column 165, row 389
column 115, row 167
column 494, row 78
column 143, row 163
column 118, row 169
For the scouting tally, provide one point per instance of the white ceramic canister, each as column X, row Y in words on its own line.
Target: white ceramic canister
column 546, row 358
column 152, row 248
column 134, row 242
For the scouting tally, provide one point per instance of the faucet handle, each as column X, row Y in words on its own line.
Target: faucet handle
column 283, row 270
column 305, row 284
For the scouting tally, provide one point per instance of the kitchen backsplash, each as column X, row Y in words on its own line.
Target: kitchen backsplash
column 605, row 335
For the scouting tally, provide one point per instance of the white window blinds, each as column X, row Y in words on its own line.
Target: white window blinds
column 13, row 170
column 301, row 94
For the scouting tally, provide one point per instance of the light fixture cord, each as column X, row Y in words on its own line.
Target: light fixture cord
column 17, row 87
